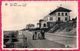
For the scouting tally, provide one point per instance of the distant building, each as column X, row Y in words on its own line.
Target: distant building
column 59, row 14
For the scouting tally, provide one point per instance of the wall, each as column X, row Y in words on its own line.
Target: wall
column 42, row 24
column 62, row 17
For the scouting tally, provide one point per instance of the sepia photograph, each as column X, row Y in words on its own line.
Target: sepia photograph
column 40, row 24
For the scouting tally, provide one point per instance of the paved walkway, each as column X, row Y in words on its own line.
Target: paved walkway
column 63, row 39
column 44, row 44
column 41, row 43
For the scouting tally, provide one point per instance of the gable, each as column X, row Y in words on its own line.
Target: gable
column 60, row 9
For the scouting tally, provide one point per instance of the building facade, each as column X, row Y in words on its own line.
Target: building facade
column 59, row 14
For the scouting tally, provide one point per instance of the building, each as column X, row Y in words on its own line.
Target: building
column 59, row 14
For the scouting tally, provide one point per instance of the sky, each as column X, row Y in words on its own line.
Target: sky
column 17, row 17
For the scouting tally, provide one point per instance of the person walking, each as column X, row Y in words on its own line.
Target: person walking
column 34, row 35
column 43, row 34
column 39, row 35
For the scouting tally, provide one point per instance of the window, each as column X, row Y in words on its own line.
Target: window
column 62, row 14
column 65, row 14
column 51, row 18
column 58, row 14
column 65, row 18
column 58, row 18
column 44, row 25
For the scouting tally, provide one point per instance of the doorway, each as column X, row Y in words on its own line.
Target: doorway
column 58, row 18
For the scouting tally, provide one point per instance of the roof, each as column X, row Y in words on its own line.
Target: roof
column 41, row 20
column 60, row 9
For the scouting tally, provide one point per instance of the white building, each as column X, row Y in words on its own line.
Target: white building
column 59, row 14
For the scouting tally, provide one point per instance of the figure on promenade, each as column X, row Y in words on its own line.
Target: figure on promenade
column 39, row 35
column 43, row 34
column 34, row 35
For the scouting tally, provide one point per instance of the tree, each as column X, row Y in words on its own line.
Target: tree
column 28, row 26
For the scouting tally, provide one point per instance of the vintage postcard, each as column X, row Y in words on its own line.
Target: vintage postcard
column 40, row 25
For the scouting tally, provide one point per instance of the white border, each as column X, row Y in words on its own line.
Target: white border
column 42, row 48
